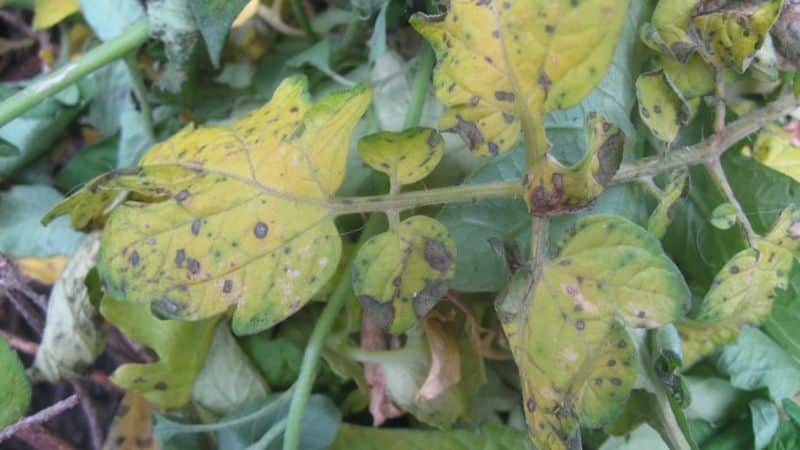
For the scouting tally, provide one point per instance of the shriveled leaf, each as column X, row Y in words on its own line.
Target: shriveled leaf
column 15, row 390
column 775, row 149
column 72, row 337
column 493, row 436
column 660, row 107
column 724, row 216
column 445, row 359
column 50, row 12
column 181, row 348
column 786, row 36
column 407, row 156
column 132, row 428
column 733, row 31
column 399, row 275
column 228, row 379
column 266, row 249
column 214, row 19
column 741, row 293
column 576, row 361
column 664, row 212
column 755, row 361
column 503, row 64
column 669, row 30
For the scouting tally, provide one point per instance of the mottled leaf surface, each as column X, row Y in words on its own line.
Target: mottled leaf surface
column 576, row 360
column 399, row 275
column 406, row 156
column 263, row 251
column 15, row 390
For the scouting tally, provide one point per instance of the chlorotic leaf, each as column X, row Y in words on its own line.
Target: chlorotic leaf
column 132, row 428
column 741, row 293
column 400, row 275
column 72, row 337
column 503, row 64
column 554, row 189
column 660, row 107
column 692, row 79
column 50, row 12
column 168, row 382
column 733, row 31
column 662, row 215
column 15, row 390
column 266, row 249
column 786, row 231
column 724, row 216
column 669, row 30
column 407, row 156
column 576, row 359
column 775, row 149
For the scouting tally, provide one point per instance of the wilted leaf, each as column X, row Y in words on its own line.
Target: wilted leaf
column 445, row 358
column 505, row 64
column 576, row 360
column 214, row 19
column 399, row 275
column 181, row 348
column 407, row 156
column 15, row 391
column 775, row 149
column 741, row 293
column 50, row 12
column 490, row 437
column 132, row 428
column 72, row 337
column 191, row 255
column 228, row 380
column 660, row 107
column 733, row 31
column 664, row 212
column 724, row 216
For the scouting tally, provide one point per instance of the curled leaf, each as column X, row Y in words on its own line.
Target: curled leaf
column 662, row 215
column 400, row 275
column 265, row 250
column 660, row 106
column 445, row 359
column 407, row 156
column 669, row 30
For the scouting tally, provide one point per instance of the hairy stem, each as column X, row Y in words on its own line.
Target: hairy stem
column 300, row 15
column 61, row 78
column 323, row 326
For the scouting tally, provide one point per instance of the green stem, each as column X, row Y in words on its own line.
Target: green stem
column 61, row 78
column 419, row 90
column 140, row 90
column 300, row 14
column 322, row 328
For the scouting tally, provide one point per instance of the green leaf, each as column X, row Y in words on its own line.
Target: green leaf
column 172, row 22
column 319, row 57
column 692, row 79
column 782, row 322
column 643, row 437
column 110, row 19
column 214, row 19
column 660, row 107
column 765, row 421
column 734, row 31
column 724, row 216
column 111, row 88
column 134, row 138
column 577, row 362
column 282, row 253
column 277, row 359
column 400, row 275
column 665, row 211
column 168, row 382
column 669, row 32
column 499, row 71
column 228, row 379
column 15, row 390
column 755, row 361
column 490, row 437
column 72, row 337
column 92, row 161
column 787, row 437
column 377, row 42
column 407, row 156
column 21, row 208
column 740, row 294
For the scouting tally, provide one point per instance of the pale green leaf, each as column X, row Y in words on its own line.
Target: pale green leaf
column 669, row 31
column 172, row 22
column 214, row 19
column 407, row 156
column 724, row 216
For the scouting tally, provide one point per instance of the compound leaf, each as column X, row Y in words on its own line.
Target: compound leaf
column 15, row 390
column 503, row 64
column 576, row 359
column 399, row 275
column 266, row 249
column 406, row 156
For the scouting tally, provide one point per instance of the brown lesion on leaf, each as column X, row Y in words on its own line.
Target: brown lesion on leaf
column 382, row 312
column 437, row 255
column 469, row 131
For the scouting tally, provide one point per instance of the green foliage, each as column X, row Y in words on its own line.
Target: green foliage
column 14, row 386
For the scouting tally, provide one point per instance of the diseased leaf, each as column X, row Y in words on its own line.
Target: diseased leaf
column 774, row 148
column 72, row 337
column 172, row 22
column 786, row 36
column 43, row 270
column 733, row 31
column 692, row 79
column 132, row 428
column 492, row 436
column 503, row 64
column 665, row 211
column 445, row 358
column 214, row 19
column 400, row 275
column 51, row 12
column 741, row 293
column 407, row 156
column 15, row 390
column 660, row 107
column 191, row 256
column 181, row 348
column 572, row 353
column 724, row 216
column 669, row 31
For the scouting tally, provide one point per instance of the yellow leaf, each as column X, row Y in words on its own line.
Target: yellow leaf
column 786, row 232
column 669, row 29
column 503, row 64
column 774, row 148
column 407, row 156
column 693, row 79
column 132, row 428
column 43, row 270
column 230, row 217
column 51, row 12
column 660, row 107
